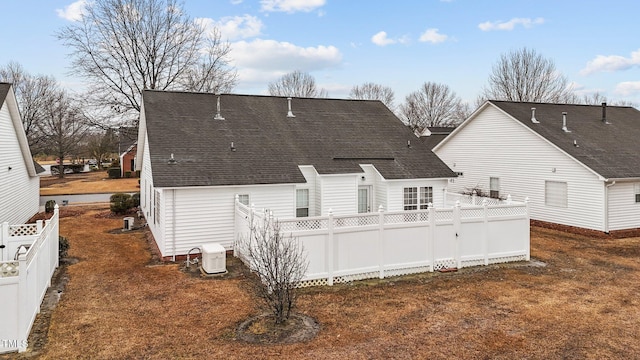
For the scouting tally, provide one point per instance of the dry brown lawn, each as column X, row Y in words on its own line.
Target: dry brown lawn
column 584, row 304
column 86, row 183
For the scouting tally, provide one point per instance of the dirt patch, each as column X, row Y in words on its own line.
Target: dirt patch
column 262, row 329
column 86, row 183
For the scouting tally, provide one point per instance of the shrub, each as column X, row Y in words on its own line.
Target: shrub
column 49, row 206
column 120, row 203
column 114, row 173
column 63, row 246
column 127, row 174
column 135, row 200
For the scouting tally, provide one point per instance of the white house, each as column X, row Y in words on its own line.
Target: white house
column 19, row 181
column 578, row 164
column 296, row 157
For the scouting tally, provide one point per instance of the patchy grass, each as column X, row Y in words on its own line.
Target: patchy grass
column 583, row 305
column 86, row 183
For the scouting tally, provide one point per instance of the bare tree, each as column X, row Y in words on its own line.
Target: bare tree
column 64, row 125
column 279, row 263
column 101, row 144
column 433, row 105
column 212, row 74
column 371, row 91
column 298, row 84
column 122, row 47
column 525, row 75
column 31, row 93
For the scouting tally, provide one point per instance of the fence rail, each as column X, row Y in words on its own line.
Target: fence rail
column 29, row 256
column 352, row 247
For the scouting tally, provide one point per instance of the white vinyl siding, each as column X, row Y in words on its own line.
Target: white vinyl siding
column 493, row 145
column 339, row 193
column 624, row 211
column 19, row 192
column 555, row 194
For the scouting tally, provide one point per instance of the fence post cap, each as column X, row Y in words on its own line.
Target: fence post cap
column 457, row 203
column 429, row 205
column 484, row 202
column 380, row 208
column 56, row 206
column 22, row 250
column 330, row 211
column 526, row 200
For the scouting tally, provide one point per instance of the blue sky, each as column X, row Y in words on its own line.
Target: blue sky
column 400, row 44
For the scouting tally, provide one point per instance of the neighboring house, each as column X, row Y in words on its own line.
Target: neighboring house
column 299, row 157
column 19, row 180
column 579, row 165
column 127, row 149
column 432, row 136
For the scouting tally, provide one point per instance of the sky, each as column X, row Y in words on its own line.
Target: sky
column 399, row 44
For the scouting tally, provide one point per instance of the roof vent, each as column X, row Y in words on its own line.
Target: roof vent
column 533, row 116
column 408, row 143
column 172, row 160
column 604, row 113
column 290, row 113
column 218, row 115
column 232, row 147
column 564, row 122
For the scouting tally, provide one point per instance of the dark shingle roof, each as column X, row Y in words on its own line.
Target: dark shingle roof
column 611, row 150
column 4, row 90
column 332, row 135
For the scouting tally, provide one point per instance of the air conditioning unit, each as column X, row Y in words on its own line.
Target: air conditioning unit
column 128, row 223
column 214, row 258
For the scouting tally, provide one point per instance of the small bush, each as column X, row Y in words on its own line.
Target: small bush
column 135, row 200
column 114, row 173
column 127, row 174
column 63, row 246
column 49, row 206
column 120, row 203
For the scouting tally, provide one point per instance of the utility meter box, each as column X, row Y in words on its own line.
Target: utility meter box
column 214, row 258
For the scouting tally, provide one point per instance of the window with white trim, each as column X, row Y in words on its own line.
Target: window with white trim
column 426, row 196
column 555, row 194
column 494, row 187
column 243, row 199
column 302, row 202
column 636, row 188
column 411, row 198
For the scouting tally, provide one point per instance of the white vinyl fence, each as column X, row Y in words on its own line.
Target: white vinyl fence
column 29, row 258
column 378, row 245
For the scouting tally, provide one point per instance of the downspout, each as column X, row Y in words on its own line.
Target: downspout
column 606, row 205
column 173, row 216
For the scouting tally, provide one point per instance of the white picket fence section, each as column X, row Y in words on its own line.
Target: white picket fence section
column 29, row 258
column 378, row 245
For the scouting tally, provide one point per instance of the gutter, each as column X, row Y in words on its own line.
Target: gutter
column 606, row 205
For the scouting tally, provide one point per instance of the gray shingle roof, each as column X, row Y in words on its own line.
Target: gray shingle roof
column 611, row 150
column 4, row 90
column 332, row 135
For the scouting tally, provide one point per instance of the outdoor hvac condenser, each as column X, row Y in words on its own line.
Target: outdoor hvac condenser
column 213, row 258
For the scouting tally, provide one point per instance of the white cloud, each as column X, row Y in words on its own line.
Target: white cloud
column 381, row 39
column 433, row 36
column 291, row 6
column 271, row 55
column 73, row 11
column 236, row 2
column 627, row 88
column 233, row 27
column 509, row 25
column 611, row 63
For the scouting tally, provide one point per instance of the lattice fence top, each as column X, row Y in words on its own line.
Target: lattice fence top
column 506, row 211
column 9, row 269
column 470, row 213
column 23, row 230
column 351, row 221
column 302, row 225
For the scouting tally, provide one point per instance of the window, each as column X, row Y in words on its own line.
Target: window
column 302, row 202
column 243, row 199
column 426, row 196
column 410, row 198
column 494, row 187
column 636, row 188
column 555, row 194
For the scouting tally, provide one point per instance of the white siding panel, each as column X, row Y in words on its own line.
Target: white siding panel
column 19, row 192
column 206, row 215
column 339, row 193
column 146, row 199
column 624, row 211
column 494, row 145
